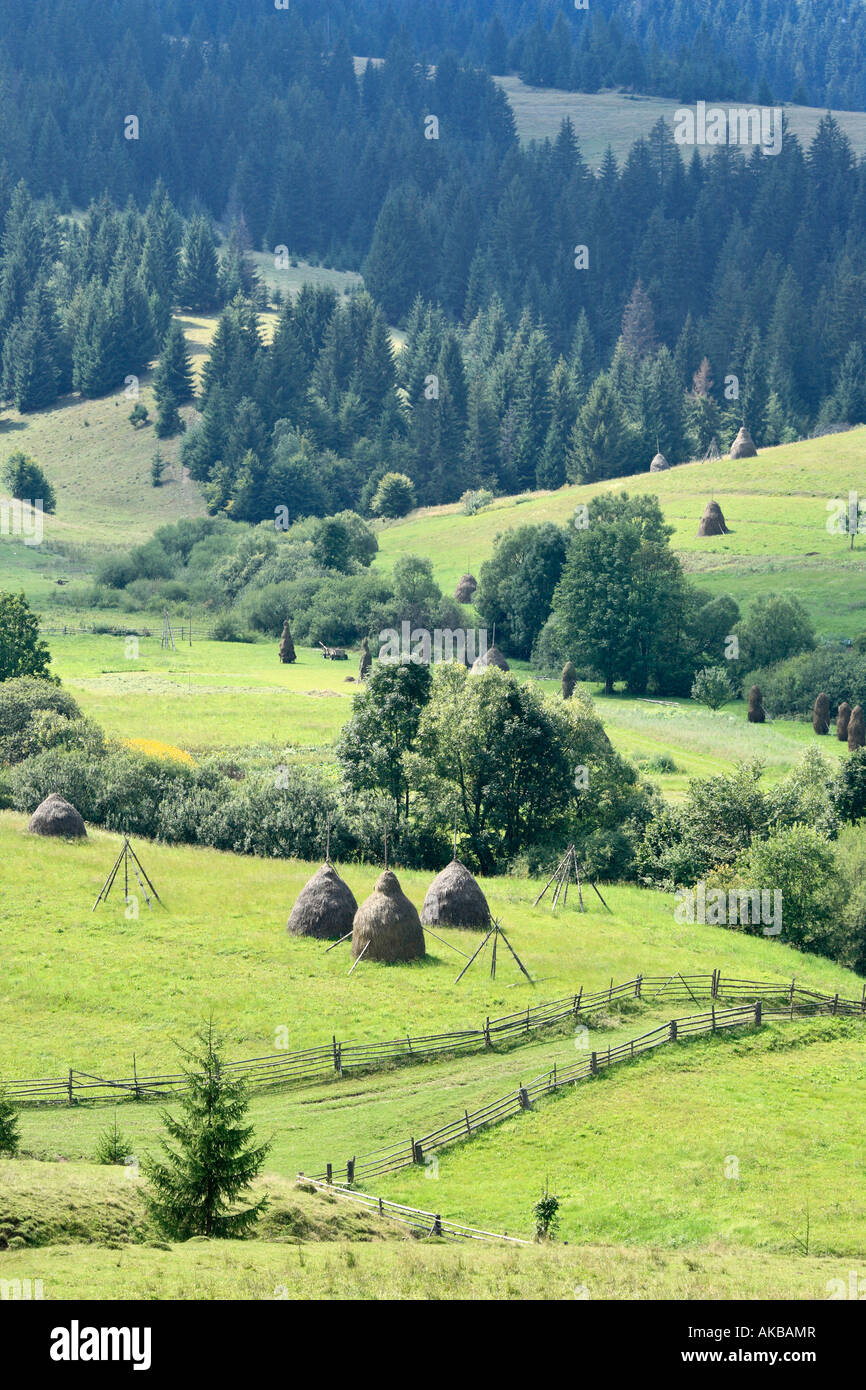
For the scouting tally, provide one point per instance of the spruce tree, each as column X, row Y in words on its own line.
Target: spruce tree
column 174, row 374
column 199, row 275
column 209, row 1160
column 10, row 1138
column 168, row 418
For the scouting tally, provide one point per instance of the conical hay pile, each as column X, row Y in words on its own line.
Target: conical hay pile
column 55, row 816
column 743, row 446
column 492, row 657
column 713, row 522
column 659, row 464
column 455, row 900
column 325, row 907
column 387, row 924
column 466, row 588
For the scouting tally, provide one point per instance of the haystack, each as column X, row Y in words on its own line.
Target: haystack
column 659, row 463
column 324, row 908
column 743, row 446
column 856, row 729
column 466, row 588
column 821, row 714
column 757, row 714
column 287, row 646
column 712, row 522
column 366, row 661
column 387, row 926
column 492, row 657
column 842, row 719
column 569, row 680
column 54, row 816
column 455, row 900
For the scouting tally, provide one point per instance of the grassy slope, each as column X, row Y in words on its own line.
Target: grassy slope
column 428, row 1272
column 86, row 990
column 618, row 119
column 775, row 507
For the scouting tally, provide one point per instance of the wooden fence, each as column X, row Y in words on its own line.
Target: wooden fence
column 334, row 1060
column 428, row 1223
column 789, row 1003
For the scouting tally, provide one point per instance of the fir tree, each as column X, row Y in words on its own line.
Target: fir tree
column 199, row 274
column 10, row 1138
column 209, row 1161
column 174, row 375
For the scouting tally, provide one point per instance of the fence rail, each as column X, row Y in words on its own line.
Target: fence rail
column 785, row 1003
column 428, row 1222
column 335, row 1059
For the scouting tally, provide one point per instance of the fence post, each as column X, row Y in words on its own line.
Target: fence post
column 718, row 983
column 713, row 986
column 593, row 1063
column 523, row 1098
column 381, row 1207
column 437, row 1225
column 836, row 1004
column 757, row 1013
column 487, row 1031
column 329, row 1174
column 792, row 989
column 527, row 1018
column 553, row 1087
column 673, row 1030
column 713, row 1012
column 337, row 1067
column 417, row 1153
column 350, row 1171
column 863, row 1001
column 69, row 1086
column 637, row 986
column 468, row 1125
column 135, row 1078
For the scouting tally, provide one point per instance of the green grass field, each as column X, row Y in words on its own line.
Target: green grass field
column 617, row 119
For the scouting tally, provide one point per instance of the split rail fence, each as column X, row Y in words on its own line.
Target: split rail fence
column 427, row 1223
column 316, row 1064
column 789, row 1003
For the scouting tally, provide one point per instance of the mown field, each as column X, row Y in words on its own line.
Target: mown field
column 617, row 119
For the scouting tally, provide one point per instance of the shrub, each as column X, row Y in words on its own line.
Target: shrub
column 475, row 500
column 228, row 629
column 799, row 863
column 26, row 481
column 395, row 496
column 21, row 700
column 851, row 790
column 712, row 688
column 9, row 1136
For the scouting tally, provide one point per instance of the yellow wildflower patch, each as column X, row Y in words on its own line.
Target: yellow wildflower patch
column 155, row 749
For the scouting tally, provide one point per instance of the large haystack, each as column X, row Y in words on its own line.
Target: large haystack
column 54, row 816
column 455, row 900
column 842, row 719
column 569, row 680
column 659, row 463
column 757, row 714
column 821, row 714
column 856, row 729
column 743, row 446
column 387, row 926
column 366, row 661
column 492, row 657
column 712, row 522
column 324, row 908
column 466, row 588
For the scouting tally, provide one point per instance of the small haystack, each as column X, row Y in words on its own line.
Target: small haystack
column 821, row 714
column 466, row 588
column 842, row 719
column 757, row 713
column 455, row 900
column 856, row 729
column 366, row 661
column 659, row 463
column 325, row 907
column 713, row 522
column 387, row 926
column 569, row 680
column 55, row 816
column 492, row 657
column 287, row 646
column 743, row 446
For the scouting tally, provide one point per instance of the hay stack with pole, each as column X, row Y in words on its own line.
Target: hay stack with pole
column 743, row 446
column 757, row 714
column 455, row 900
column 492, row 657
column 58, row 817
column 821, row 714
column 325, row 907
column 287, row 646
column 659, row 463
column 387, row 926
column 366, row 661
column 712, row 522
column 856, row 729
column 842, row 719
column 466, row 588
column 569, row 680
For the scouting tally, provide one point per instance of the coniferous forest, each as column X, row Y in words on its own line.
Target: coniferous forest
column 562, row 323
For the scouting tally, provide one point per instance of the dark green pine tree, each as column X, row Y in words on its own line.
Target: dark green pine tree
column 210, row 1161
column 532, row 405
column 174, row 375
column 551, row 464
column 168, row 417
column 9, row 1135
column 284, row 374
column 600, row 446
column 94, row 370
column 481, row 453
column 31, row 354
column 375, row 375
column 199, row 273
